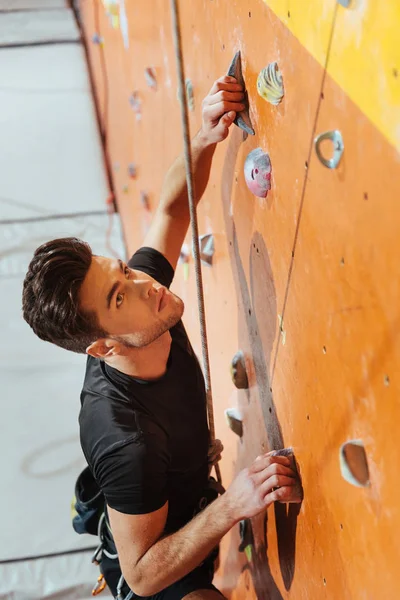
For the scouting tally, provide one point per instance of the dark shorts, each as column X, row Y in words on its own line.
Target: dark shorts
column 198, row 579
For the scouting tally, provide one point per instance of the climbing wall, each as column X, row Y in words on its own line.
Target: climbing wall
column 304, row 282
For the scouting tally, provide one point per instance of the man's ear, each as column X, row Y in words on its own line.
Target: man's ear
column 104, row 348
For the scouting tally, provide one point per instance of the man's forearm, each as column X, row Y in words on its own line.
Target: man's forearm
column 174, row 556
column 174, row 198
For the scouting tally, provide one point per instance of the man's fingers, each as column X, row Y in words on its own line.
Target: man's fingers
column 263, row 462
column 223, row 83
column 215, row 111
column 285, row 493
column 274, row 470
column 275, row 482
column 224, row 96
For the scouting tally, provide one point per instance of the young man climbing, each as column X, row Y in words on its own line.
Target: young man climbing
column 143, row 421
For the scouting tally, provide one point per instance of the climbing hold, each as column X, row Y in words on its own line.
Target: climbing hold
column 144, row 200
column 246, row 538
column 298, row 494
column 234, row 420
column 136, row 104
column 257, row 172
column 270, row 84
column 189, row 94
column 97, row 39
column 345, row 3
column 150, row 76
column 125, row 189
column 238, row 371
column 242, row 118
column 206, row 243
column 338, row 146
column 132, row 170
column 354, row 463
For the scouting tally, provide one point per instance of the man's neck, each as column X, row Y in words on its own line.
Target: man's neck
column 145, row 363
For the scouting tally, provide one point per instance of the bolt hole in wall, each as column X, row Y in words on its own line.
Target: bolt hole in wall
column 386, row 380
column 365, row 196
column 324, row 581
column 324, row 349
column 308, row 417
column 395, row 72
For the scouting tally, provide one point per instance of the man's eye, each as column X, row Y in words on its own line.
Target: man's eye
column 119, row 299
column 127, row 271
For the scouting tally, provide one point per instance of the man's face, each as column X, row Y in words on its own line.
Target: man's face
column 130, row 305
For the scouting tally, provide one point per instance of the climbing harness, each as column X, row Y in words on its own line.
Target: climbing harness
column 193, row 218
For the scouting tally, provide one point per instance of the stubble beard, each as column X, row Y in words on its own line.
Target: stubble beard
column 161, row 326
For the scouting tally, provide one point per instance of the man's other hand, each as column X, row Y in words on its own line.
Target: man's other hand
column 219, row 108
column 269, row 479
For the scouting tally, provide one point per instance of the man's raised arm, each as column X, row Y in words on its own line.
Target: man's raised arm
column 171, row 220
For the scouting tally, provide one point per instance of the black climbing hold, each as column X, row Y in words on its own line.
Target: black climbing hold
column 242, row 118
column 238, row 371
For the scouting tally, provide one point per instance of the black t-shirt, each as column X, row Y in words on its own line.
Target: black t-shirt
column 147, row 442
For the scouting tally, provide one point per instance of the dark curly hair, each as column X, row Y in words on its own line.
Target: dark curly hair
column 50, row 298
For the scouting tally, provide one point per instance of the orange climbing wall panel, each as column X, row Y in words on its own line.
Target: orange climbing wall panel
column 304, row 282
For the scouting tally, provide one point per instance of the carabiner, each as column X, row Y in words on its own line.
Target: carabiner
column 100, row 585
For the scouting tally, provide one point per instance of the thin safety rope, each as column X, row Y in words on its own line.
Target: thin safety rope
column 193, row 217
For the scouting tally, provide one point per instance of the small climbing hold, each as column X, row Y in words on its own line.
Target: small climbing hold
column 136, row 104
column 354, row 463
column 338, row 146
column 189, row 94
column 97, row 39
column 239, row 372
column 270, row 84
column 242, row 118
column 125, row 189
column 246, row 538
column 144, row 200
column 206, row 243
column 345, row 3
column 151, row 78
column 234, row 420
column 257, row 172
column 132, row 170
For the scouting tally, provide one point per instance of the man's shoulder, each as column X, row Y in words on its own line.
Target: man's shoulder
column 108, row 420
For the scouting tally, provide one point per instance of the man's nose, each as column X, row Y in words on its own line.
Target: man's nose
column 148, row 288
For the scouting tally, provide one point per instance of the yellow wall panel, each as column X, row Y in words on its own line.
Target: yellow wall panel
column 365, row 54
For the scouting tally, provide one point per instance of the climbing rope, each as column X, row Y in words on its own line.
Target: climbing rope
column 193, row 218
